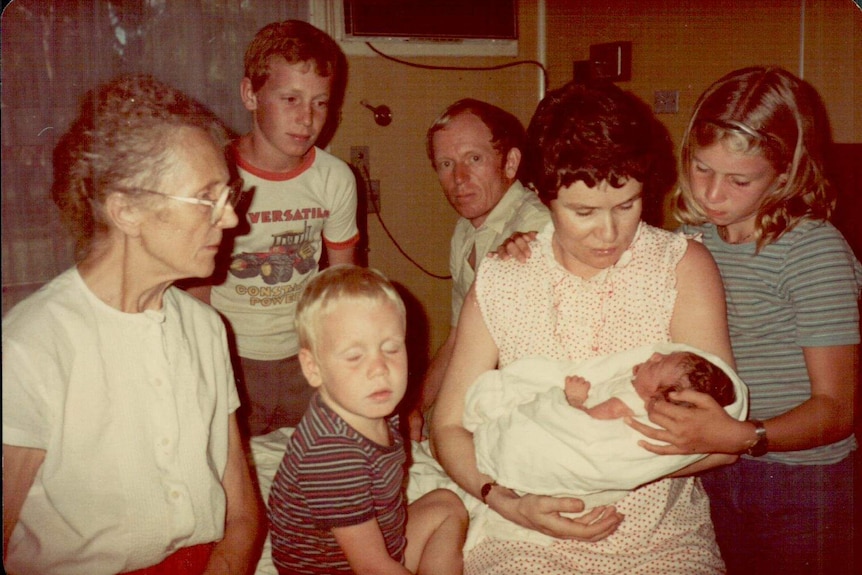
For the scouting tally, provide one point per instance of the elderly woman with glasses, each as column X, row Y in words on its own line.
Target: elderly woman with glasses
column 121, row 449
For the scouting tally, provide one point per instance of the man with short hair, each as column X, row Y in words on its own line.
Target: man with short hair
column 475, row 148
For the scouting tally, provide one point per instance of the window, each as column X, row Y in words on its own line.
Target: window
column 421, row 27
column 55, row 50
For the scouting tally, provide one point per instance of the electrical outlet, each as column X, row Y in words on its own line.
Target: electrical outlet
column 666, row 102
column 374, row 197
column 361, row 160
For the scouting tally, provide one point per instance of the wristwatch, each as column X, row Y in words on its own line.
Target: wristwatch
column 761, row 444
column 486, row 489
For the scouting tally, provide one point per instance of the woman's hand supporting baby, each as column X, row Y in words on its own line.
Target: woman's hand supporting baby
column 545, row 514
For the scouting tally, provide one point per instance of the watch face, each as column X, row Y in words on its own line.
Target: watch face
column 759, row 448
column 486, row 489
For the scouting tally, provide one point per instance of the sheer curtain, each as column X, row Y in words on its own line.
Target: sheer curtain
column 55, row 50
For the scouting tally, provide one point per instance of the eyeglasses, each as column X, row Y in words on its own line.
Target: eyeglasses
column 230, row 194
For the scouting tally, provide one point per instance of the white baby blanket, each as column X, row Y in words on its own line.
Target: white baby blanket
column 530, row 439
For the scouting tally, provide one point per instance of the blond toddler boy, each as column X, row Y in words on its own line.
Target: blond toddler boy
column 337, row 502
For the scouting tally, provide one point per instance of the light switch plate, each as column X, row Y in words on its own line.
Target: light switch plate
column 611, row 61
column 666, row 102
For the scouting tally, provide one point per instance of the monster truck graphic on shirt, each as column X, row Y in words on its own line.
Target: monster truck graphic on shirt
column 289, row 251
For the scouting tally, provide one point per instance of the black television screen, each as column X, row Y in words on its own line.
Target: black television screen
column 432, row 19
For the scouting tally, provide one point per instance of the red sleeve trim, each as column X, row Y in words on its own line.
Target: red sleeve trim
column 342, row 245
column 307, row 161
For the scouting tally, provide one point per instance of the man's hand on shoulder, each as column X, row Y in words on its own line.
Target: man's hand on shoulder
column 517, row 246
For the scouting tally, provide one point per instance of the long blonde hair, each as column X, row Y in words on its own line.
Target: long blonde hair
column 768, row 111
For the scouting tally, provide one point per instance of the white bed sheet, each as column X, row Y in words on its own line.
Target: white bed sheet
column 267, row 452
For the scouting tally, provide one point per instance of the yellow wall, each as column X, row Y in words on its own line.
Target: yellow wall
column 833, row 63
column 686, row 45
column 413, row 207
column 677, row 45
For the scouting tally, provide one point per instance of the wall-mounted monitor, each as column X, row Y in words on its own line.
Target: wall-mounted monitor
column 422, row 27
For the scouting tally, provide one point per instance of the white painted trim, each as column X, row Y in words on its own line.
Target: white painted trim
column 541, row 45
column 802, row 39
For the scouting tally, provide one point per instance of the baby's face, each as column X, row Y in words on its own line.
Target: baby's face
column 659, row 371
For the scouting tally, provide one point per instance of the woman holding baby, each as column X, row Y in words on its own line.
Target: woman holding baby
column 753, row 190
column 598, row 281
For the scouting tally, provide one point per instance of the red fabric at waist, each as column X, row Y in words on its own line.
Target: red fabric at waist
column 187, row 561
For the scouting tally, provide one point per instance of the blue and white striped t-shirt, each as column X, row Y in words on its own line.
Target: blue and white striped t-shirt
column 801, row 291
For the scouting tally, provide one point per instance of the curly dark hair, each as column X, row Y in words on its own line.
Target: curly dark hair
column 703, row 376
column 595, row 132
column 123, row 137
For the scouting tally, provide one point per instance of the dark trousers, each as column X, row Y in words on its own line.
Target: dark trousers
column 274, row 394
column 784, row 519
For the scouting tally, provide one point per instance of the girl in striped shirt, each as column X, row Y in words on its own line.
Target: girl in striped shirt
column 753, row 188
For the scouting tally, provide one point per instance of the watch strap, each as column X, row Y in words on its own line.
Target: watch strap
column 486, row 489
column 761, row 444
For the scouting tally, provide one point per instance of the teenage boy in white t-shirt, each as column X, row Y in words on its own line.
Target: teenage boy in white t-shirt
column 304, row 201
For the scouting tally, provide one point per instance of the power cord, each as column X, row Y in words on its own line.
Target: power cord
column 464, row 68
column 367, row 177
column 366, row 181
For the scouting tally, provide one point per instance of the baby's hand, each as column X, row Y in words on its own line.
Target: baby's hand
column 577, row 388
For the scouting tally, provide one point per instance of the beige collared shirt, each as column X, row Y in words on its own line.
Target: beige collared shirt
column 519, row 210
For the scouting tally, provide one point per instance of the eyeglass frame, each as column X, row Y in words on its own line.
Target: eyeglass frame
column 232, row 193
